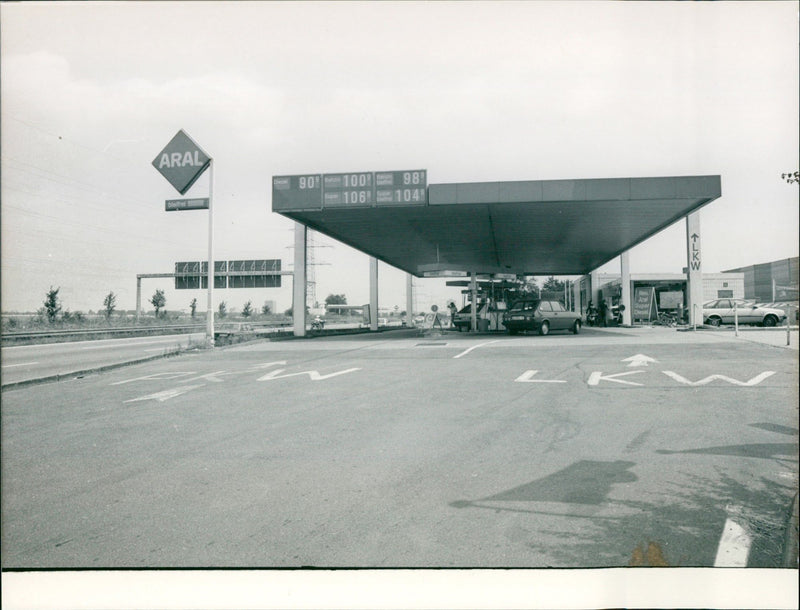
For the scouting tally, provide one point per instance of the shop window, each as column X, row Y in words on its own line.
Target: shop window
column 724, row 294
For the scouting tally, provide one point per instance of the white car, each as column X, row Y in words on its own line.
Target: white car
column 721, row 311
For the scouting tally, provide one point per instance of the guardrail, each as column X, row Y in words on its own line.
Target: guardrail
column 58, row 336
column 86, row 333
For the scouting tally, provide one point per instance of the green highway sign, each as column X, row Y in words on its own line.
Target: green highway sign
column 181, row 162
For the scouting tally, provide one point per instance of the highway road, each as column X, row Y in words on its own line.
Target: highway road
column 27, row 362
column 613, row 448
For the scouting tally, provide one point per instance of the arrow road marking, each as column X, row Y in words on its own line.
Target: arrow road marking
column 639, row 360
column 166, row 375
column 527, row 377
column 167, row 394
column 597, row 376
column 754, row 381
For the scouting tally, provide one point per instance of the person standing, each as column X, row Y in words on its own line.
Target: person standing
column 452, row 308
column 603, row 313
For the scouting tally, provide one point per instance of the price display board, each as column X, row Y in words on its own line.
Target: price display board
column 297, row 192
column 350, row 190
column 401, row 188
column 644, row 305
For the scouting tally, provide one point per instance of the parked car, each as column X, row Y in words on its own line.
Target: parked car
column 721, row 311
column 463, row 318
column 541, row 316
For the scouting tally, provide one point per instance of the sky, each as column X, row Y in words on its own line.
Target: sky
column 481, row 91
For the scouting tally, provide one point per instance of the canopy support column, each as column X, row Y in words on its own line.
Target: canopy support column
column 594, row 285
column 409, row 299
column 373, row 293
column 577, row 306
column 694, row 270
column 299, row 281
column 625, row 299
column 473, row 289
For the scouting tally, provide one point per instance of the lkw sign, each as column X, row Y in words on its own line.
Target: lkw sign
column 181, row 162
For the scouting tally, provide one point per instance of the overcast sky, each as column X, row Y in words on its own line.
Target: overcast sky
column 91, row 92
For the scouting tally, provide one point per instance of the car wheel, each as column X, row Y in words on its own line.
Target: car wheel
column 770, row 321
column 714, row 321
column 512, row 331
column 544, row 328
column 576, row 328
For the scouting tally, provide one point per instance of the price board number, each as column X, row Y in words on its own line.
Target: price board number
column 408, row 187
column 302, row 192
column 354, row 189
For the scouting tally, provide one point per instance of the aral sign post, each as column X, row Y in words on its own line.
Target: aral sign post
column 182, row 162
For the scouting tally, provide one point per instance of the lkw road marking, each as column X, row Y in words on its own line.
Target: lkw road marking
column 217, row 377
column 597, row 376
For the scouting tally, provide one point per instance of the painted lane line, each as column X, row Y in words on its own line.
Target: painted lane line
column 8, row 366
column 467, row 351
column 734, row 546
column 527, row 377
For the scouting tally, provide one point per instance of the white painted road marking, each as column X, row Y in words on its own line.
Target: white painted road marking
column 467, row 351
column 597, row 376
column 734, row 546
column 527, row 377
column 8, row 366
column 639, row 360
column 754, row 381
column 158, row 376
column 314, row 375
column 167, row 394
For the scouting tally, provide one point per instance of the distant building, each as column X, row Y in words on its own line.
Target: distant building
column 771, row 282
column 670, row 288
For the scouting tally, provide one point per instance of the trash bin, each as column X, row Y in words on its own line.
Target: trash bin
column 483, row 325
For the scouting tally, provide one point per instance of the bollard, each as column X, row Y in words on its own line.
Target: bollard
column 788, row 317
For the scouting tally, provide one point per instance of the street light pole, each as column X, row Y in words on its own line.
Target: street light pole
column 210, row 310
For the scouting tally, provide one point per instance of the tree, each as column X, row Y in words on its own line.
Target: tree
column 336, row 299
column 52, row 304
column 223, row 309
column 110, row 304
column 551, row 284
column 247, row 310
column 265, row 308
column 158, row 300
column 193, row 306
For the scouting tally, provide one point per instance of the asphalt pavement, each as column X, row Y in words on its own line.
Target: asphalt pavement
column 612, row 448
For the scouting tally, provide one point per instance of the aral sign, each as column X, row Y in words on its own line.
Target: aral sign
column 181, row 162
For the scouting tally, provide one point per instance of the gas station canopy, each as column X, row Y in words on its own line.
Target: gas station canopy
column 537, row 227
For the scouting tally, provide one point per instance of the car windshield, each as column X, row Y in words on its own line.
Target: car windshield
column 524, row 306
